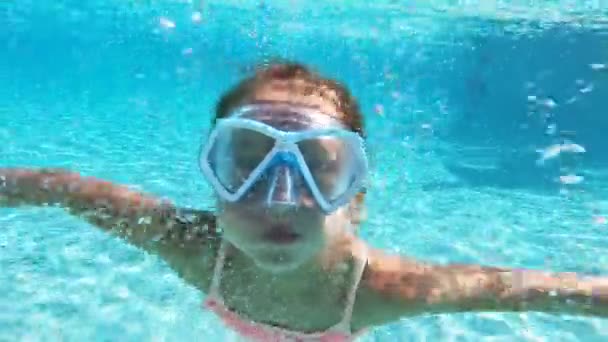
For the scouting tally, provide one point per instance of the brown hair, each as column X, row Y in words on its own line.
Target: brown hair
column 304, row 81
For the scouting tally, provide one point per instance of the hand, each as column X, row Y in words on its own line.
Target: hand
column 20, row 186
column 11, row 186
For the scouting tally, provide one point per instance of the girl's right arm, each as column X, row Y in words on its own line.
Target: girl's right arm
column 182, row 237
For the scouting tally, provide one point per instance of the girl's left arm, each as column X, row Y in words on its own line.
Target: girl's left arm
column 394, row 287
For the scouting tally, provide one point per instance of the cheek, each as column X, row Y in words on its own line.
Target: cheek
column 338, row 220
column 235, row 224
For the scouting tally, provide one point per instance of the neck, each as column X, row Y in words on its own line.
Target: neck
column 341, row 242
column 332, row 265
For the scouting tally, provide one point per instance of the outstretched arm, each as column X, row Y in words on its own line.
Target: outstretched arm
column 395, row 287
column 141, row 219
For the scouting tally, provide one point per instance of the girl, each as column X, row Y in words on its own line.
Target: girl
column 279, row 260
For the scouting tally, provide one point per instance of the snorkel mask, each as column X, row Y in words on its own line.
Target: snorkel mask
column 271, row 152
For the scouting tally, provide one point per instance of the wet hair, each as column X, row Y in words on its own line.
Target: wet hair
column 301, row 80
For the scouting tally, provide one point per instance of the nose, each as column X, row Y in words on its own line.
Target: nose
column 283, row 190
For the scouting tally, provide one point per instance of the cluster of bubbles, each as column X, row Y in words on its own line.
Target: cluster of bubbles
column 562, row 147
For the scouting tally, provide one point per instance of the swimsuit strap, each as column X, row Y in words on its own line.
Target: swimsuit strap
column 220, row 259
column 345, row 324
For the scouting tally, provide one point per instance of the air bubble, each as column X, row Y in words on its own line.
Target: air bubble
column 144, row 220
column 196, row 17
column 102, row 215
column 571, row 179
column 598, row 66
column 379, row 109
column 548, row 102
column 587, row 89
column 166, row 23
column 102, row 202
column 46, row 184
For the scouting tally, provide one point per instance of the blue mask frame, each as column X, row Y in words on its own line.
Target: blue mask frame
column 285, row 152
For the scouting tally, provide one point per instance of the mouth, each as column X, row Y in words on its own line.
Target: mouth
column 281, row 234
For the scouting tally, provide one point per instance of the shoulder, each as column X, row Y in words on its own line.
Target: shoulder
column 190, row 245
column 189, row 228
column 391, row 286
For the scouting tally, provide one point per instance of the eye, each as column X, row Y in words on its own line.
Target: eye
column 323, row 165
column 248, row 150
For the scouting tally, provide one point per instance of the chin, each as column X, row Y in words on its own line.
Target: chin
column 277, row 267
column 280, row 260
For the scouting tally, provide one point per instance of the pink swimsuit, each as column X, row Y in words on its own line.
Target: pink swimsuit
column 253, row 331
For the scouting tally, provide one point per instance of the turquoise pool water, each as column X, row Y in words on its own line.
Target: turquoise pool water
column 457, row 96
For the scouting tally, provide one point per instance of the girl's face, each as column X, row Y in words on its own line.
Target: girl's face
column 281, row 238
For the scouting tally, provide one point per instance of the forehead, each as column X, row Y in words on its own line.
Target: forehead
column 296, row 92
